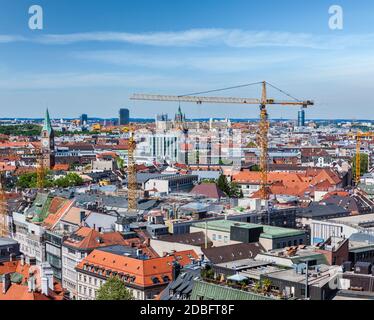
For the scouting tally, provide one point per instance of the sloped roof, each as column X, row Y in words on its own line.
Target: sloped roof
column 87, row 239
column 233, row 252
column 210, row 190
column 143, row 271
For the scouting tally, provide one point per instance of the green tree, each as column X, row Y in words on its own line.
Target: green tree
column 364, row 164
column 235, row 190
column 251, row 145
column 266, row 285
column 27, row 180
column 70, row 180
column 114, row 289
column 255, row 168
column 223, row 184
column 207, row 273
column 257, row 287
column 120, row 163
column 28, row 130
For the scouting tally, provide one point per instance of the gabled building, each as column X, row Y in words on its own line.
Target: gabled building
column 78, row 246
column 144, row 277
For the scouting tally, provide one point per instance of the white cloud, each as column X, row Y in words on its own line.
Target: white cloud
column 236, row 38
column 10, row 38
column 206, row 62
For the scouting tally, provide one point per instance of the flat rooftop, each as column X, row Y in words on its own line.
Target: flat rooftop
column 355, row 220
column 7, row 241
column 307, row 254
column 314, row 279
column 242, row 264
column 270, row 232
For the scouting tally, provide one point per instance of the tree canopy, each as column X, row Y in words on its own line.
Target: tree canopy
column 114, row 289
column 29, row 181
column 231, row 189
column 28, row 130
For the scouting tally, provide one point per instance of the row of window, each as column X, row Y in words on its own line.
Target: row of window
column 219, row 237
column 90, row 280
column 87, row 291
column 290, row 243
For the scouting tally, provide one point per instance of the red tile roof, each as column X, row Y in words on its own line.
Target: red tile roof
column 142, row 271
column 87, row 238
column 210, row 190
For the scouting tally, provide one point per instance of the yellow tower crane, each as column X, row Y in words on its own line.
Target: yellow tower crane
column 132, row 185
column 359, row 137
column 40, row 170
column 263, row 131
column 4, row 229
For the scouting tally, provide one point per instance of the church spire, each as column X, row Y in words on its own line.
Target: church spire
column 47, row 122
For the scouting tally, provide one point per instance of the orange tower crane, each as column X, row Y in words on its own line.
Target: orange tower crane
column 263, row 132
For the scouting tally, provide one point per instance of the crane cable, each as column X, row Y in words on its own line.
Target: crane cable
column 240, row 86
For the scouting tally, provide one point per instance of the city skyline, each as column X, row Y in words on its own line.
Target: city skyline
column 93, row 64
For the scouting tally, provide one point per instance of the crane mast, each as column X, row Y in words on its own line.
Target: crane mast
column 131, row 174
column 40, row 170
column 263, row 132
column 4, row 230
column 359, row 136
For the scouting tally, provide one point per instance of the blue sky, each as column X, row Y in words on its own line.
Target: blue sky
column 92, row 55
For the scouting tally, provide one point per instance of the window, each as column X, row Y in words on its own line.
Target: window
column 226, row 239
column 214, row 237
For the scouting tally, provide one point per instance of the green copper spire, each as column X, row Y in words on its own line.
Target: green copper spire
column 47, row 123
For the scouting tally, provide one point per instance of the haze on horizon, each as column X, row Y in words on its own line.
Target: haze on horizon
column 91, row 57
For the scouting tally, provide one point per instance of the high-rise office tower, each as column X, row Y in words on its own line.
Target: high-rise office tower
column 301, row 118
column 84, row 119
column 124, row 117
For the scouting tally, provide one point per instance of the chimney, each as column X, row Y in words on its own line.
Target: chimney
column 6, row 282
column 176, row 269
column 22, row 260
column 31, row 282
column 44, row 286
column 11, row 257
column 47, row 278
column 82, row 216
column 201, row 260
